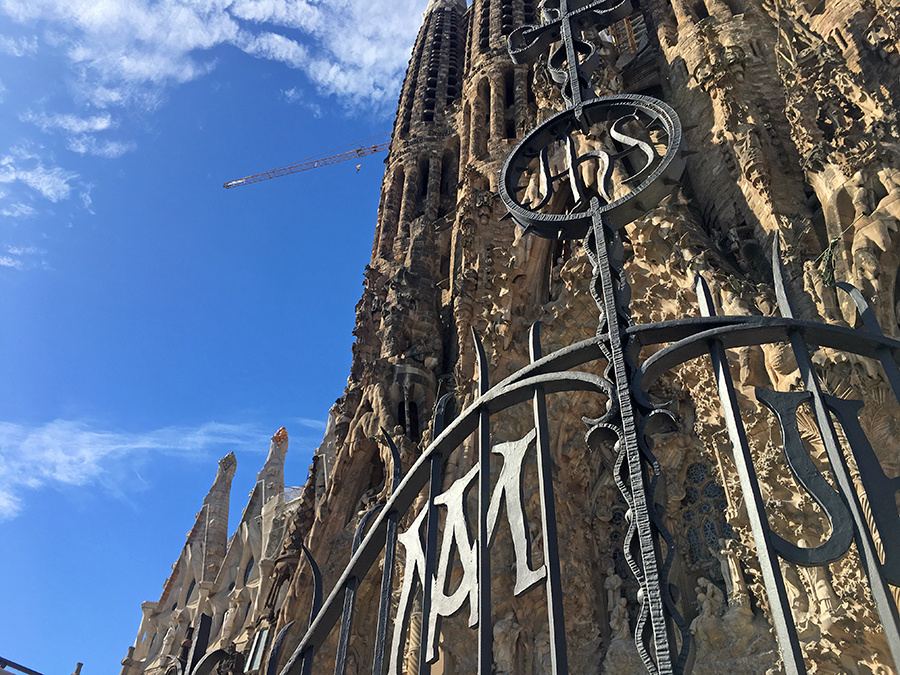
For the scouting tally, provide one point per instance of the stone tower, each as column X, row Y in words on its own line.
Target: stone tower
column 789, row 116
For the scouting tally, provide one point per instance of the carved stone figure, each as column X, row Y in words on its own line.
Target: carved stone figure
column 619, row 621
column 613, row 586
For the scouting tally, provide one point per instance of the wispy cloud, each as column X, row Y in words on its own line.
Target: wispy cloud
column 89, row 145
column 70, row 123
column 53, row 183
column 309, row 423
column 74, row 453
column 18, row 46
column 22, row 258
column 127, row 51
column 18, row 210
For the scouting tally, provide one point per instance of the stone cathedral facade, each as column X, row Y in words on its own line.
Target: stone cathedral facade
column 788, row 107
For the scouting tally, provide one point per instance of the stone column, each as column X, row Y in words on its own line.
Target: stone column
column 682, row 13
column 498, row 109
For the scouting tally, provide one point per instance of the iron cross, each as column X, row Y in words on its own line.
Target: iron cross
column 575, row 60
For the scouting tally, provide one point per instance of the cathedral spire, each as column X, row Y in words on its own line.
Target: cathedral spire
column 272, row 473
column 215, row 514
column 451, row 4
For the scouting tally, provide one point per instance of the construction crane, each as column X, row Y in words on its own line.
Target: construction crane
column 305, row 165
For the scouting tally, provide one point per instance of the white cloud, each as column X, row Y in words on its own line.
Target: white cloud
column 74, row 453
column 127, row 51
column 24, row 250
column 52, row 183
column 2, row 91
column 18, row 47
column 85, row 195
column 18, row 210
column 310, row 423
column 70, row 123
column 22, row 258
column 86, row 144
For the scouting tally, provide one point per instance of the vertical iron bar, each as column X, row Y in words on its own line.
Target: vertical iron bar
column 350, row 588
column 275, row 651
column 780, row 606
column 485, row 627
column 387, row 584
column 558, row 650
column 870, row 322
column 390, row 557
column 309, row 654
column 865, row 545
column 430, row 556
column 340, row 662
column 640, row 508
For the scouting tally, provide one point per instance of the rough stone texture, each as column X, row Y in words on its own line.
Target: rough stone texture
column 789, row 109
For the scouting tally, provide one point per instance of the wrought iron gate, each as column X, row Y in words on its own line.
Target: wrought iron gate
column 643, row 139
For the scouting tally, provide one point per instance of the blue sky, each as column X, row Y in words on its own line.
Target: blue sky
column 151, row 321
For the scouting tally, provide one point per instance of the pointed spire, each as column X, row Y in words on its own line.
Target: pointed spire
column 272, row 473
column 215, row 513
column 435, row 4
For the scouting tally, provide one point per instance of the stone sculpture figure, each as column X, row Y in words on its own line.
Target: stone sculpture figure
column 168, row 640
column 613, row 586
column 619, row 621
column 707, row 627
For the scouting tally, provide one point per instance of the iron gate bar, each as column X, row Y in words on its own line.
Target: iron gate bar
column 390, row 554
column 434, row 489
column 764, row 330
column 274, row 652
column 867, row 314
column 306, row 656
column 643, row 555
column 340, row 663
column 865, row 545
column 785, row 630
column 559, row 659
column 485, row 624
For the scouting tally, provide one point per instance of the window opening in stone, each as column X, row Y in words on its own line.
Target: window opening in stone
column 413, row 422
column 735, row 7
column 506, row 17
column 817, row 215
column 401, row 416
column 509, row 88
column 256, row 651
column 468, row 40
column 481, row 125
column 703, row 512
column 424, row 167
column 190, row 592
column 529, row 87
column 701, row 11
column 391, row 215
column 528, row 11
column 248, row 569
column 485, row 28
column 449, row 178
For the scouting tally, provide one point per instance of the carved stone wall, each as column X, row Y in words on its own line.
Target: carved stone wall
column 788, row 107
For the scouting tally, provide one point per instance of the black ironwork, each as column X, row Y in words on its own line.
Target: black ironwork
column 563, row 181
